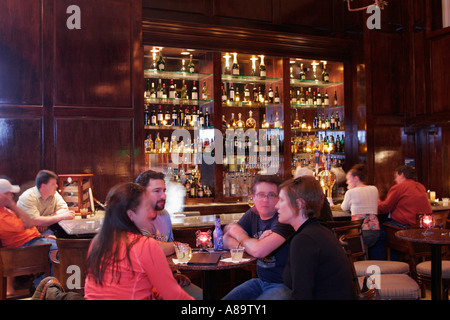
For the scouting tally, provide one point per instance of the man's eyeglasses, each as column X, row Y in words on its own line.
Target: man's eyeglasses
column 269, row 196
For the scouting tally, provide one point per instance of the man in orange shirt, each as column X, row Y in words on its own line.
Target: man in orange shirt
column 16, row 227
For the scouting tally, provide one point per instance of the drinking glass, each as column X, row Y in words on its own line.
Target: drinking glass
column 427, row 221
column 237, row 253
column 183, row 252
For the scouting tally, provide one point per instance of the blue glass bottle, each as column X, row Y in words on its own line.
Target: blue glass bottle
column 218, row 236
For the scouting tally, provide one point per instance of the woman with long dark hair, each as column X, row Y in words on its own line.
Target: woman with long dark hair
column 123, row 264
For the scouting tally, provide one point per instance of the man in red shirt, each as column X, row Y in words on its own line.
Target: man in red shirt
column 405, row 199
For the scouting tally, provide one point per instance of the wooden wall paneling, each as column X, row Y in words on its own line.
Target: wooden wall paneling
column 444, row 173
column 440, row 76
column 93, row 64
column 259, row 10
column 309, row 15
column 20, row 69
column 21, row 148
column 103, row 147
column 388, row 147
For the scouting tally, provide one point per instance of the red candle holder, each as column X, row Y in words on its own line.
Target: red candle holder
column 203, row 240
column 427, row 222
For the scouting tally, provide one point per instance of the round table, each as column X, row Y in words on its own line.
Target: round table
column 436, row 238
column 208, row 271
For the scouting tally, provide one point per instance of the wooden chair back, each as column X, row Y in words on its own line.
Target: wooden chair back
column 352, row 235
column 363, row 293
column 337, row 224
column 23, row 261
column 71, row 252
column 394, row 243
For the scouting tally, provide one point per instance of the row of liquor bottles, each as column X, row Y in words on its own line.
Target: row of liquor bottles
column 186, row 92
column 183, row 117
column 257, row 95
column 233, row 68
column 192, row 182
column 238, row 184
column 312, row 98
column 320, row 122
column 239, row 144
column 325, row 144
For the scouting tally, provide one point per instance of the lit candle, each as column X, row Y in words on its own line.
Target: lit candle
column 432, row 195
column 427, row 221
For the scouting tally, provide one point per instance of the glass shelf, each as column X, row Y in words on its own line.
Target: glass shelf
column 304, row 130
column 250, row 105
column 313, row 106
column 314, row 83
column 249, row 79
column 171, row 101
column 175, row 75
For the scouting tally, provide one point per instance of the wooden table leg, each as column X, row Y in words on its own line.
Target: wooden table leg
column 436, row 272
column 209, row 284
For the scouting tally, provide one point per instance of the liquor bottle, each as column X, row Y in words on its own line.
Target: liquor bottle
column 152, row 91
column 338, row 143
column 314, row 99
column 319, row 97
column 277, row 123
column 271, row 95
column 159, row 116
column 187, row 118
column 171, row 90
column 147, row 91
column 183, row 66
column 302, row 75
column 264, row 123
column 310, row 97
column 231, row 97
column 332, row 122
column 302, row 99
column 246, row 94
column 335, row 98
column 224, row 122
column 338, row 121
column 160, row 63
column 293, row 97
column 153, row 121
column 201, row 118
column 164, row 91
column 276, row 98
column 146, row 116
column 303, row 125
column 184, row 93
column 207, row 118
column 255, row 94
column 235, row 67
column 218, row 236
column 315, row 122
column 237, row 95
column 167, row 117
column 240, row 123
column 165, row 145
column 204, row 91
column 326, row 99
column 262, row 68
column 159, row 90
column 149, row 144
column 191, row 66
column 194, row 117
column 325, row 76
column 181, row 116
column 250, row 122
column 224, row 95
column 194, row 94
column 158, row 144
column 319, row 122
column 232, row 122
column 261, row 98
column 296, row 123
column 174, row 117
